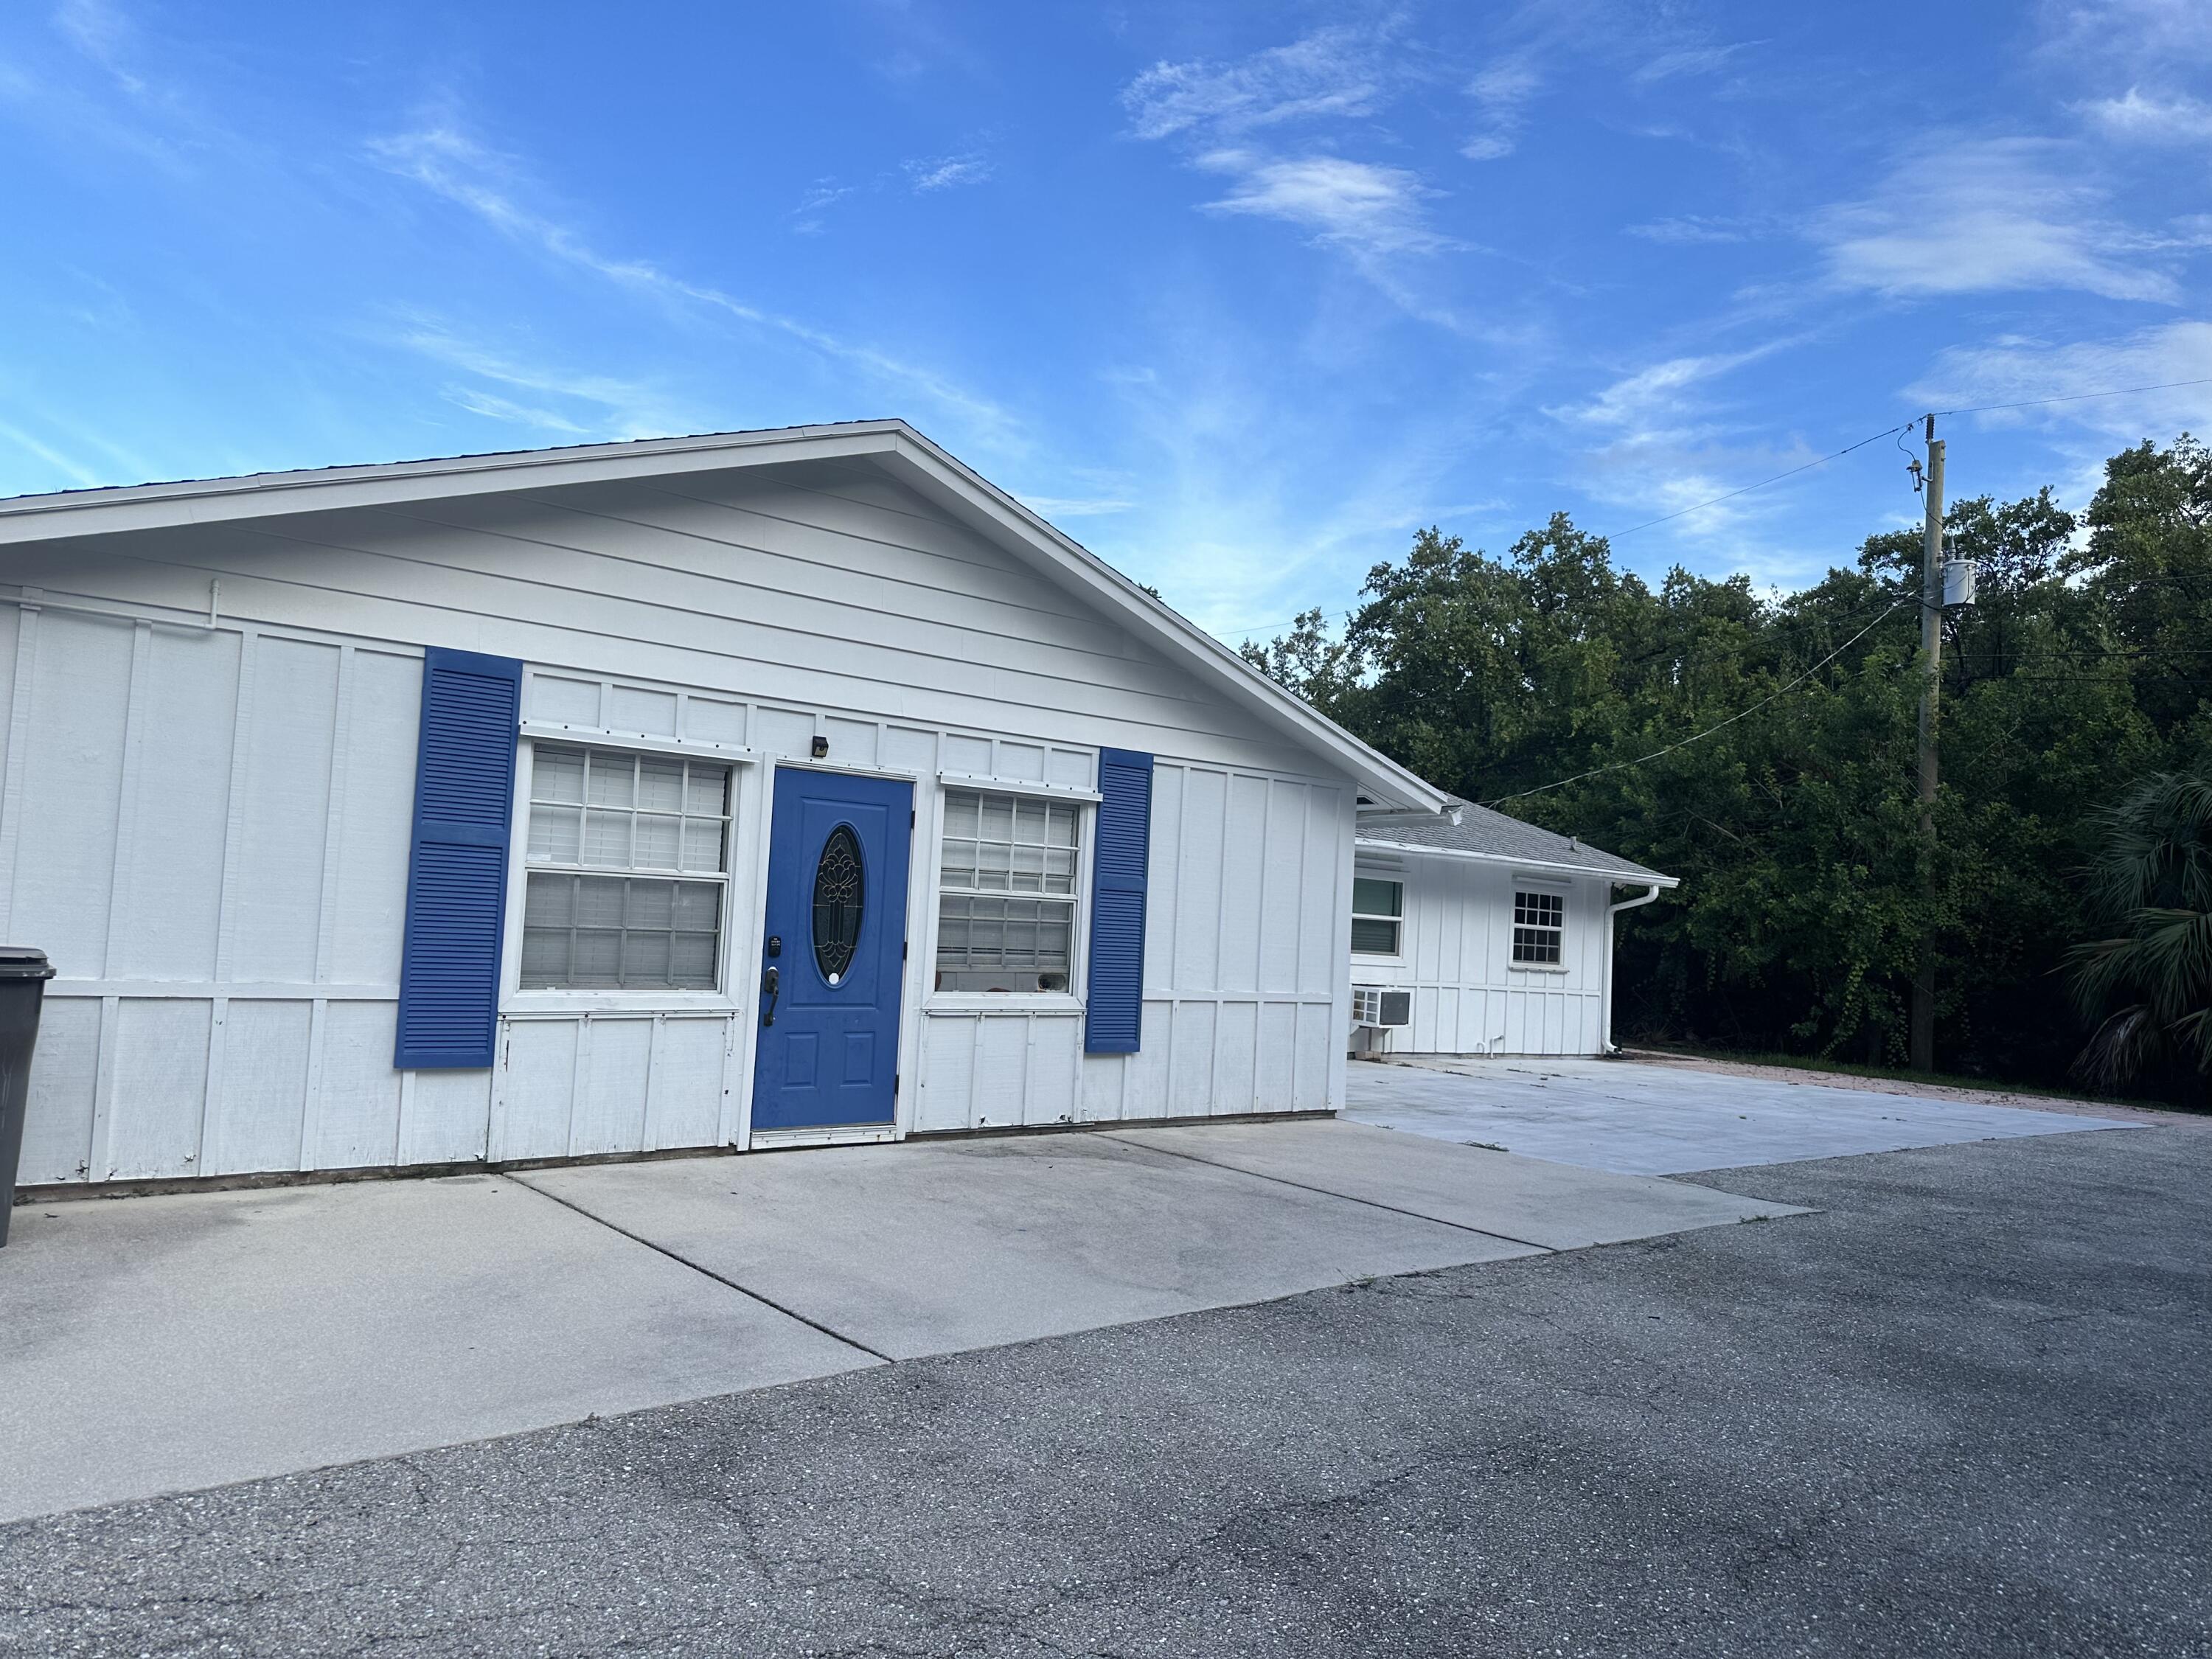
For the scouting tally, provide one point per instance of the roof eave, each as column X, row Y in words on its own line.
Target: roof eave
column 318, row 489
column 1639, row 876
column 941, row 477
column 892, row 444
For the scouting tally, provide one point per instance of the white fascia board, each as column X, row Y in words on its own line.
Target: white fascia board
column 897, row 447
column 1385, row 817
column 321, row 490
column 1626, row 878
column 940, row 478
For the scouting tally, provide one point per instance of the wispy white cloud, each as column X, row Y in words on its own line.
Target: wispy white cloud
column 603, row 405
column 1070, row 507
column 1660, row 394
column 2157, row 35
column 2015, row 370
column 945, row 171
column 1334, row 71
column 1995, row 215
column 1501, row 90
column 1664, row 441
column 2147, row 119
column 807, row 218
column 1693, row 228
column 1375, row 215
column 479, row 401
column 1688, row 60
column 73, row 473
column 445, row 161
column 1355, row 205
column 120, row 107
column 1234, row 521
column 104, row 34
column 74, row 439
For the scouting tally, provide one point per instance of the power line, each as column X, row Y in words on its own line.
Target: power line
column 2076, row 396
column 1615, row 536
column 1905, row 426
column 1253, row 627
column 1616, row 766
column 1982, row 409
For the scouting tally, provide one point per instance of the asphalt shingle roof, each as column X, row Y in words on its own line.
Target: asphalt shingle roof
column 1479, row 829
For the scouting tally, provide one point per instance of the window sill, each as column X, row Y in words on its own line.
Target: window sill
column 989, row 1002
column 1535, row 967
column 524, row 1005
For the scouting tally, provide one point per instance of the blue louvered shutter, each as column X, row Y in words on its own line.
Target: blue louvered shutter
column 456, row 874
column 1113, row 1021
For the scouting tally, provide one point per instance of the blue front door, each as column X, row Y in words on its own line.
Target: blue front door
column 833, row 955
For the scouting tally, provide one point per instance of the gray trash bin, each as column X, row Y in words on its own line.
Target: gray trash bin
column 23, row 976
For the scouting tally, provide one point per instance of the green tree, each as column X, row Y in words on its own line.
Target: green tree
column 1552, row 683
column 2147, row 567
column 2147, row 984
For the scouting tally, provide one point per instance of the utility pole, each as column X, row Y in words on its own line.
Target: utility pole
column 1931, row 651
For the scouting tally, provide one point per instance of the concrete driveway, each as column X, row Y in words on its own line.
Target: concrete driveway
column 1668, row 1118
column 1959, row 1412
column 156, row 1345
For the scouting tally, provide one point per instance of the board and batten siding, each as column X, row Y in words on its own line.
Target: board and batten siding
column 208, row 767
column 822, row 585
column 1247, row 923
column 1455, row 957
column 206, row 829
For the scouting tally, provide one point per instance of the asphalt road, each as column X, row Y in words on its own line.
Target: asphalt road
column 1963, row 1412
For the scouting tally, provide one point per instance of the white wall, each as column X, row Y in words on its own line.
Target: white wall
column 1455, row 957
column 1245, row 937
column 206, row 825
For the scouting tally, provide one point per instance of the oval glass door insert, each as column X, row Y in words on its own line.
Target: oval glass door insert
column 838, row 894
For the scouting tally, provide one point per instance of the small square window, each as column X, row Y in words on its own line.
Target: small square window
column 1378, row 908
column 1540, row 922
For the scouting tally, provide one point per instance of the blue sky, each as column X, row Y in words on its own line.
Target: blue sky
column 1238, row 294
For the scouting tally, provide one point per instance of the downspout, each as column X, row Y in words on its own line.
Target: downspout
column 1606, row 1001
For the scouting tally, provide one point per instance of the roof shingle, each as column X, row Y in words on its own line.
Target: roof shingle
column 1479, row 829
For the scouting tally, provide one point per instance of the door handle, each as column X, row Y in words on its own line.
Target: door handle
column 771, row 987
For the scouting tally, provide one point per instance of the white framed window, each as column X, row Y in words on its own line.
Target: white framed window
column 1005, row 905
column 1540, row 921
column 626, row 870
column 1378, row 912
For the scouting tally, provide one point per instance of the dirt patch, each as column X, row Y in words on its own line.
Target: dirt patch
column 1883, row 1086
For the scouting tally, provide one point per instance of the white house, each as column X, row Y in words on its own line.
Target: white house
column 702, row 792
column 1475, row 934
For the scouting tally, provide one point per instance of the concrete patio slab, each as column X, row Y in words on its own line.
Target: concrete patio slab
column 152, row 1345
column 1644, row 1119
column 930, row 1248
column 1557, row 1206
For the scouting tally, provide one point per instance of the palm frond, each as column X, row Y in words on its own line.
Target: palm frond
column 2148, row 980
column 2124, row 1048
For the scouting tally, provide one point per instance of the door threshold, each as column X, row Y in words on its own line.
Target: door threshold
column 770, row 1140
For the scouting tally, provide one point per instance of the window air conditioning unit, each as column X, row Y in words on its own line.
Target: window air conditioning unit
column 1376, row 1005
